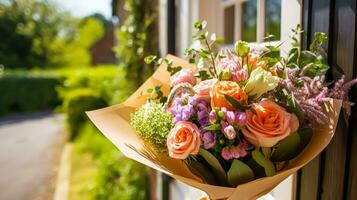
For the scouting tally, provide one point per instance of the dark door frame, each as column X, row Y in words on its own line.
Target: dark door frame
column 333, row 175
column 171, row 49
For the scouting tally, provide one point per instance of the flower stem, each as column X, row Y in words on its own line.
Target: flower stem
column 212, row 58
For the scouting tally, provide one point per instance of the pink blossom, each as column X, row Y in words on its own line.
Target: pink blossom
column 241, row 118
column 213, row 116
column 235, row 152
column 208, row 140
column 240, row 75
column 183, row 76
column 203, row 88
column 230, row 62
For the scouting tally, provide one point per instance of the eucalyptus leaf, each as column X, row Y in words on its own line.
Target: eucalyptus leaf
column 234, row 102
column 149, row 59
column 260, row 165
column 287, row 149
column 305, row 137
column 201, row 171
column 239, row 173
column 218, row 170
column 320, row 38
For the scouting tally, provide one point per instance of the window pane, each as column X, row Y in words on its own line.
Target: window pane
column 249, row 21
column 273, row 18
column 229, row 25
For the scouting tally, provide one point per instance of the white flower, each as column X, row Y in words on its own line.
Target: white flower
column 260, row 82
column 229, row 132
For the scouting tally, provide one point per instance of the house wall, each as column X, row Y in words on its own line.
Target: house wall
column 102, row 51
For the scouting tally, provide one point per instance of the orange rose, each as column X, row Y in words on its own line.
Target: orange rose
column 229, row 88
column 183, row 140
column 269, row 124
column 254, row 61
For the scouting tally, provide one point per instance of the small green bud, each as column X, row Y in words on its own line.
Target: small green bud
column 226, row 75
column 242, row 48
column 220, row 115
column 221, row 141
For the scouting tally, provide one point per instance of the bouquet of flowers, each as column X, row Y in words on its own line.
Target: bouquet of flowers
column 233, row 123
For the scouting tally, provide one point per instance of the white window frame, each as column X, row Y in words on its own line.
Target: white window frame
column 238, row 18
column 290, row 17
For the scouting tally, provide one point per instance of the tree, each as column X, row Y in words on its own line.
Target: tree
column 28, row 29
column 76, row 51
column 98, row 16
column 137, row 38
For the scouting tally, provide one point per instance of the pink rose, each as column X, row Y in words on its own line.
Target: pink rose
column 183, row 76
column 183, row 140
column 269, row 124
column 203, row 88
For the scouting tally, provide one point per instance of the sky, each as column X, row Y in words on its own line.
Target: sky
column 82, row 8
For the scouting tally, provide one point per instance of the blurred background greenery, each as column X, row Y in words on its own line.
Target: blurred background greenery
column 51, row 59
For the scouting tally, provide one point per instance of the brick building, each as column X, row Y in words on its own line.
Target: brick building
column 102, row 51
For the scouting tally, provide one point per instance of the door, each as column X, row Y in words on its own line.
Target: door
column 333, row 175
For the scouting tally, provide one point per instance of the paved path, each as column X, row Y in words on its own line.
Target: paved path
column 29, row 152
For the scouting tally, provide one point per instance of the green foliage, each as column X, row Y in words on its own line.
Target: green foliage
column 107, row 80
column 312, row 61
column 320, row 38
column 28, row 29
column 158, row 61
column 241, row 48
column 40, row 33
column 239, row 173
column 76, row 103
column 204, row 51
column 157, row 128
column 261, row 165
column 121, row 178
column 76, row 51
column 217, row 168
column 156, row 94
column 107, row 24
column 22, row 92
column 28, row 91
column 287, row 148
column 115, row 177
column 234, row 102
column 201, row 170
column 137, row 38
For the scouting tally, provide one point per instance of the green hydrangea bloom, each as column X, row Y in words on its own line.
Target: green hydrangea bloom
column 153, row 124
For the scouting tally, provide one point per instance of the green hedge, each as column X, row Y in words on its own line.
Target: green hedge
column 75, row 104
column 117, row 177
column 107, row 80
column 22, row 92
column 36, row 90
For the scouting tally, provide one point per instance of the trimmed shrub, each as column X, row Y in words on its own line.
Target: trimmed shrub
column 121, row 178
column 108, row 81
column 21, row 92
column 117, row 177
column 75, row 104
